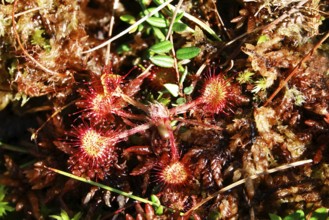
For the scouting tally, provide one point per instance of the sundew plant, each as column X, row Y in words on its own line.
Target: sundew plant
column 155, row 109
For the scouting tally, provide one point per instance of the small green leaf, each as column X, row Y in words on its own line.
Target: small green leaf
column 158, row 33
column 158, row 2
column 159, row 210
column 188, row 90
column 184, row 72
column 179, row 27
column 274, row 217
column 150, row 10
column 158, row 207
column 155, row 199
column 164, row 101
column 77, row 216
column 123, row 48
column 245, row 77
column 128, row 19
column 38, row 39
column 146, row 2
column 298, row 215
column 163, row 61
column 179, row 16
column 187, row 53
column 172, row 88
column 4, row 206
column 157, row 22
column 214, row 215
column 262, row 39
column 139, row 28
column 320, row 214
column 162, row 47
column 181, row 101
column 65, row 216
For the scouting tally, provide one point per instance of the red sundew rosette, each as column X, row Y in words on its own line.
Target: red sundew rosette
column 93, row 154
column 218, row 95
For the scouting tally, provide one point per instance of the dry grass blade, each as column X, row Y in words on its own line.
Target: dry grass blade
column 24, row 12
column 108, row 51
column 34, row 136
column 173, row 18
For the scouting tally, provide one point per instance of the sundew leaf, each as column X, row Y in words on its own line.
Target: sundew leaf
column 163, row 61
column 187, row 52
column 162, row 47
column 157, row 22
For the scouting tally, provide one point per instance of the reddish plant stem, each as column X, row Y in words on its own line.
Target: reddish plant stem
column 125, row 114
column 184, row 108
column 173, row 146
column 127, row 133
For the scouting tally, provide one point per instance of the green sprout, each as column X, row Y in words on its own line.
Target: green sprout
column 260, row 85
column 38, row 39
column 318, row 214
column 296, row 95
column 64, row 216
column 4, row 206
column 245, row 77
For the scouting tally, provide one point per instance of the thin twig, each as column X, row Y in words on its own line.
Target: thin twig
column 35, row 134
column 221, row 21
column 135, row 130
column 146, row 71
column 111, row 189
column 173, row 18
column 198, row 22
column 198, row 73
column 24, row 12
column 176, row 64
column 108, row 51
column 169, row 35
column 13, row 148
